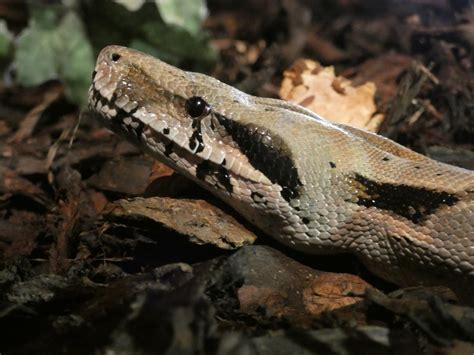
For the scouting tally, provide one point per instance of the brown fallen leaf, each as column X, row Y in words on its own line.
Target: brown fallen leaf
column 325, row 49
column 19, row 233
column 31, row 119
column 74, row 211
column 159, row 170
column 13, row 184
column 198, row 220
column 4, row 128
column 383, row 71
column 317, row 88
column 99, row 201
column 333, row 291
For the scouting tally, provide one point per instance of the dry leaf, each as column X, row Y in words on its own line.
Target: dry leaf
column 333, row 291
column 28, row 124
column 198, row 220
column 317, row 88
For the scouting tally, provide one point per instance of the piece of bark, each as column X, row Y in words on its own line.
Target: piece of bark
column 198, row 220
column 127, row 175
column 272, row 286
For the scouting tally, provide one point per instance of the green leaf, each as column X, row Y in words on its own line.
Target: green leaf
column 5, row 39
column 35, row 53
column 54, row 46
column 183, row 13
column 76, row 60
column 175, row 45
column 111, row 23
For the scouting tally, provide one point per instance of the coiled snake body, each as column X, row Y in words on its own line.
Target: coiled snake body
column 316, row 186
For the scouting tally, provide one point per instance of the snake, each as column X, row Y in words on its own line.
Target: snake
column 315, row 186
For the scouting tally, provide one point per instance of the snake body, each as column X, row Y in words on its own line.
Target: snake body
column 316, row 186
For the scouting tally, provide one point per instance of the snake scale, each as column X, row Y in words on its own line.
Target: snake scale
column 316, row 186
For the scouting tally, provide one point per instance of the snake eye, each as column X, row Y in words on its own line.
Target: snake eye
column 196, row 107
column 115, row 57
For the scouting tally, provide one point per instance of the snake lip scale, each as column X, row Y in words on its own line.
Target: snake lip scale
column 316, row 186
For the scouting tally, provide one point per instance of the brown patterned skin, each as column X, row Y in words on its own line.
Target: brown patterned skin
column 315, row 186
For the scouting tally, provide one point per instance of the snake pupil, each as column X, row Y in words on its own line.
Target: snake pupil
column 196, row 107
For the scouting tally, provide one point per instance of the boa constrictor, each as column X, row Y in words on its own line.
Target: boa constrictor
column 316, row 186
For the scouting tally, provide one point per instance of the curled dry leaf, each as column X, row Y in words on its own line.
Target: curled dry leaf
column 317, row 88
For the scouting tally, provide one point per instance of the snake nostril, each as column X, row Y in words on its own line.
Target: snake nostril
column 115, row 57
